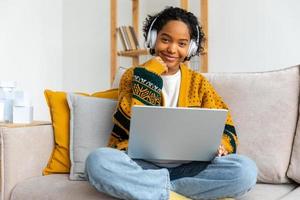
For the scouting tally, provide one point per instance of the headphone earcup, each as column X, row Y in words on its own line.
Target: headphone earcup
column 151, row 40
column 192, row 48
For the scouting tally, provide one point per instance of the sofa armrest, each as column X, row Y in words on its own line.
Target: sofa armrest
column 24, row 153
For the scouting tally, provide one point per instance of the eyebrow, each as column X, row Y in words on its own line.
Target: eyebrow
column 165, row 34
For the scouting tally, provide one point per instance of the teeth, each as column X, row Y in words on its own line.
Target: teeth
column 169, row 57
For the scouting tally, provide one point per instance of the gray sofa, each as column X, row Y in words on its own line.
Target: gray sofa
column 264, row 107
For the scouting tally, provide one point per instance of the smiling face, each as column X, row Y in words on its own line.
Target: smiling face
column 172, row 44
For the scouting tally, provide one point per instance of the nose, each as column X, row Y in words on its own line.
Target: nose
column 171, row 48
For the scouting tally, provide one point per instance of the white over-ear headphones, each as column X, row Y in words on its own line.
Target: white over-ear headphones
column 152, row 35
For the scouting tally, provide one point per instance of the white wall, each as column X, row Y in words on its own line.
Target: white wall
column 86, row 45
column 253, row 35
column 31, row 47
column 60, row 45
column 65, row 45
column 248, row 35
column 146, row 8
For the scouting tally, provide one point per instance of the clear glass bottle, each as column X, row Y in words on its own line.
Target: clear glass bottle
column 7, row 89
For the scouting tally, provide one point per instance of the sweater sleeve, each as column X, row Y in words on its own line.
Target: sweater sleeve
column 211, row 99
column 138, row 86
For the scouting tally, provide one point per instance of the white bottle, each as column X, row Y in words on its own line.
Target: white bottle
column 6, row 100
column 1, row 110
column 22, row 109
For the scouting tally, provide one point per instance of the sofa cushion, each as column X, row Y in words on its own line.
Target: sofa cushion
column 90, row 127
column 264, row 107
column 268, row 192
column 59, row 161
column 59, row 111
column 56, row 186
column 117, row 79
column 293, row 195
column 294, row 168
column 63, row 188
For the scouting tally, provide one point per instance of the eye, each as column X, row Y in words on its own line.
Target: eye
column 165, row 40
column 182, row 44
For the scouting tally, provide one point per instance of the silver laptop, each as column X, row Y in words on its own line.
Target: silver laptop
column 162, row 133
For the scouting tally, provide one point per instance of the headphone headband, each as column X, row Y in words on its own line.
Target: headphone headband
column 151, row 36
column 197, row 27
column 153, row 23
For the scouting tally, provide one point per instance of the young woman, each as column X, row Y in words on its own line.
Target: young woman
column 173, row 36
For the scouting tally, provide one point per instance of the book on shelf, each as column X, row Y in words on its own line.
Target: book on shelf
column 136, row 42
column 122, row 39
column 128, row 38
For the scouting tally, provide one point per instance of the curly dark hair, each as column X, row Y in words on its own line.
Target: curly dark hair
column 175, row 13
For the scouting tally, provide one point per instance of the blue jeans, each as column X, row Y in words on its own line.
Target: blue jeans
column 113, row 172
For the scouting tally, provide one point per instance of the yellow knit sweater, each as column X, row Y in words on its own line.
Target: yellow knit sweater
column 142, row 86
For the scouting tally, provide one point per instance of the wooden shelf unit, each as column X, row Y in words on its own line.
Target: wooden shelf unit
column 134, row 54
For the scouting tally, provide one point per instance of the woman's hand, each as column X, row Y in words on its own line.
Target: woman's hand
column 221, row 151
column 157, row 65
column 162, row 63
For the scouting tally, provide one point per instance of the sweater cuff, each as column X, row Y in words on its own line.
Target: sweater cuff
column 147, row 86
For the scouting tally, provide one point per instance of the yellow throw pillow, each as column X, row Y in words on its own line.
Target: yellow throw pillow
column 59, row 161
